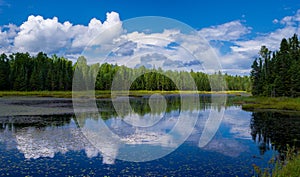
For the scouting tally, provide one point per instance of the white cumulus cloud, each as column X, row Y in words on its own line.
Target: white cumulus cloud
column 225, row 32
column 7, row 35
column 52, row 36
column 243, row 51
column 39, row 34
column 110, row 29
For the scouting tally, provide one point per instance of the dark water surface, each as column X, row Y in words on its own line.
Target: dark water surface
column 43, row 145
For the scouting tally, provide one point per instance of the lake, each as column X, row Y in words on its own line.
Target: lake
column 43, row 137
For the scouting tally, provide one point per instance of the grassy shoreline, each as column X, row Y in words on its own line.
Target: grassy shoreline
column 291, row 169
column 272, row 103
column 243, row 98
column 107, row 93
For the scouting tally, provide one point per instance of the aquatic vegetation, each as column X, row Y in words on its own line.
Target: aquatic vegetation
column 289, row 166
column 275, row 103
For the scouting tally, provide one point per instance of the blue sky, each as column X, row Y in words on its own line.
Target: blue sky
column 249, row 23
column 198, row 14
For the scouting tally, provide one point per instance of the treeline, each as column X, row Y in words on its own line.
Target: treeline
column 22, row 72
column 142, row 78
column 278, row 73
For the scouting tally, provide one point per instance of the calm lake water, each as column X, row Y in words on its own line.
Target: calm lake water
column 57, row 145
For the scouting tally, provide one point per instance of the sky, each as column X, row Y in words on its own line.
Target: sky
column 234, row 29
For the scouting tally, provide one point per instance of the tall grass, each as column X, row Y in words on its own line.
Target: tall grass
column 278, row 103
column 107, row 93
column 61, row 94
column 290, row 167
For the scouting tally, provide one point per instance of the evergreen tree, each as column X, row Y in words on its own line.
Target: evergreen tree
column 277, row 75
column 23, row 72
column 4, row 72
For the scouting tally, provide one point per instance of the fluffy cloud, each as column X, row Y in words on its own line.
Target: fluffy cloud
column 275, row 21
column 242, row 52
column 110, row 29
column 39, row 34
column 226, row 32
column 7, row 35
column 180, row 50
column 271, row 40
column 291, row 20
column 4, row 39
column 51, row 36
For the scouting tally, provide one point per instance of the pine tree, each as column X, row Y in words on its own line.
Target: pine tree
column 4, row 72
column 256, row 78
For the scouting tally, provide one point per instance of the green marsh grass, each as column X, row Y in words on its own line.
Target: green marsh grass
column 107, row 93
column 290, row 167
column 276, row 103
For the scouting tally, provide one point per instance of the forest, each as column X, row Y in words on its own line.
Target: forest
column 277, row 73
column 23, row 72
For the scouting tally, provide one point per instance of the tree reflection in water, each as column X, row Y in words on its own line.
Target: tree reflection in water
column 275, row 130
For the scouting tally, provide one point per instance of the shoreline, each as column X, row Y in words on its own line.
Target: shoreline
column 63, row 100
column 267, row 103
column 107, row 93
